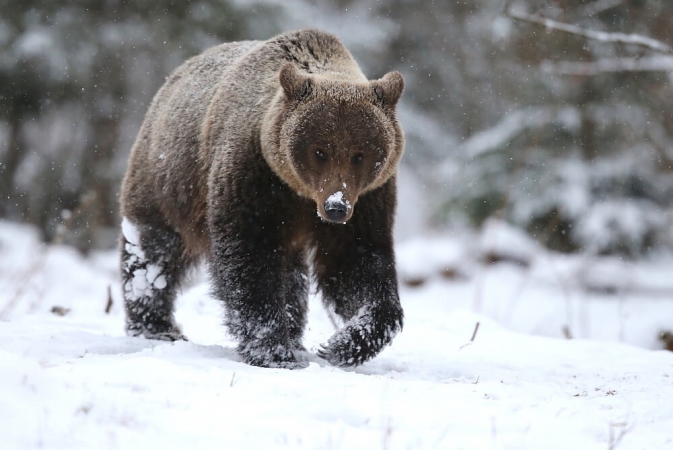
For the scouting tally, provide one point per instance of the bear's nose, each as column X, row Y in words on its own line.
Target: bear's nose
column 335, row 210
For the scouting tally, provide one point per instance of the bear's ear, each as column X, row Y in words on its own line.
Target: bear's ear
column 388, row 89
column 296, row 85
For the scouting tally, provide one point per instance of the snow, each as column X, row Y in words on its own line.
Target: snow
column 413, row 207
column 338, row 197
column 130, row 232
column 76, row 381
column 145, row 279
column 628, row 218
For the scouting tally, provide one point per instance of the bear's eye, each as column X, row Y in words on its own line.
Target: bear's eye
column 357, row 158
column 320, row 155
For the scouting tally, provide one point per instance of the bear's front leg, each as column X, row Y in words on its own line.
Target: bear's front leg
column 365, row 295
column 251, row 277
column 260, row 279
column 355, row 270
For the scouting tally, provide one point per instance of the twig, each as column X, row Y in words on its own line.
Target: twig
column 602, row 36
column 474, row 333
column 108, row 305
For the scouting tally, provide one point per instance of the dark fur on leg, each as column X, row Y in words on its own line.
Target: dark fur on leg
column 296, row 300
column 261, row 281
column 153, row 265
column 251, row 285
column 355, row 270
column 372, row 310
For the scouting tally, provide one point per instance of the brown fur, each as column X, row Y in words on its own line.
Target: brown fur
column 178, row 126
column 228, row 157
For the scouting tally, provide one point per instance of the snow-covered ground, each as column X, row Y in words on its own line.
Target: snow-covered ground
column 71, row 379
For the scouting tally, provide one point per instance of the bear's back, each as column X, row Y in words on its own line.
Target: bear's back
column 319, row 53
column 181, row 104
column 246, row 72
column 164, row 165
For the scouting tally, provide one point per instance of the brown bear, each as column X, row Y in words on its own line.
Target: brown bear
column 238, row 149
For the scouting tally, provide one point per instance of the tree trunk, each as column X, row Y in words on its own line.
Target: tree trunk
column 8, row 166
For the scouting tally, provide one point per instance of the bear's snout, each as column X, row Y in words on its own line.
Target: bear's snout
column 336, row 212
column 336, row 208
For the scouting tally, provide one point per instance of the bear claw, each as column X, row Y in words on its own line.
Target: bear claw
column 278, row 358
column 291, row 364
column 168, row 335
column 332, row 357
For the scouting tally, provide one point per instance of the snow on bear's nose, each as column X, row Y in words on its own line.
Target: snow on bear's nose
column 336, row 209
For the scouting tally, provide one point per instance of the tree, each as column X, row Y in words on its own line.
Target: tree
column 562, row 133
column 75, row 80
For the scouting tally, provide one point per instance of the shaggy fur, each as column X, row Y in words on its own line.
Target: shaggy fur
column 248, row 156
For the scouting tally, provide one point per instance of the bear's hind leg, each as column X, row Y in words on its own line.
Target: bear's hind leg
column 153, row 264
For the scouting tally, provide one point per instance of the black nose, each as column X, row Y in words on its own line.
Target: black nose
column 336, row 210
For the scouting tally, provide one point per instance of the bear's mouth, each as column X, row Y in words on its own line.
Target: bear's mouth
column 336, row 208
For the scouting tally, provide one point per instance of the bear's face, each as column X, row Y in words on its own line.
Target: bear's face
column 338, row 151
column 341, row 139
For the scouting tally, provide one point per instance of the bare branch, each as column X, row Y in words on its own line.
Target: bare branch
column 649, row 64
column 602, row 36
column 108, row 305
column 474, row 334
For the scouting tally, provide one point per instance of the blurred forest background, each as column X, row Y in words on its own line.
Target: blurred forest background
column 566, row 135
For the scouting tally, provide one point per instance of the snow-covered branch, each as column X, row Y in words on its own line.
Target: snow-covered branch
column 513, row 124
column 602, row 36
column 649, row 64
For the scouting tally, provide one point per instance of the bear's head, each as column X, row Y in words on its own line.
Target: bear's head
column 332, row 140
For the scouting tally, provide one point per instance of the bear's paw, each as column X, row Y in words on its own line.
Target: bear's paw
column 277, row 357
column 170, row 334
column 362, row 338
